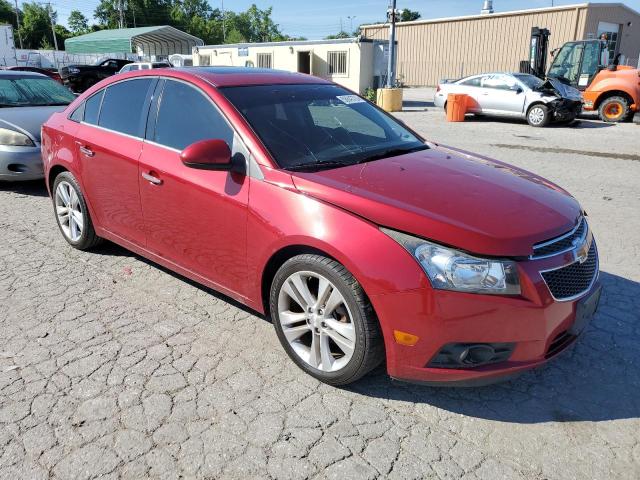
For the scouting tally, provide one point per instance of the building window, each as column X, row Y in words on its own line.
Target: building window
column 204, row 60
column 337, row 62
column 264, row 60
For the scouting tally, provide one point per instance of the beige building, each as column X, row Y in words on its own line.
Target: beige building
column 351, row 62
column 430, row 50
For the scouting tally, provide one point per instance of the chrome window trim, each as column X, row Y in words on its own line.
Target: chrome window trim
column 533, row 256
column 584, row 292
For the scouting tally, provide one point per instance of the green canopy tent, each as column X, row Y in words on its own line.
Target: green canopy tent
column 161, row 40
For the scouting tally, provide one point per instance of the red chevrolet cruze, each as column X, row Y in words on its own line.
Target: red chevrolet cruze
column 362, row 241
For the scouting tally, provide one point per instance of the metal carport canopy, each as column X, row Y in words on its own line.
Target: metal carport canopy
column 160, row 40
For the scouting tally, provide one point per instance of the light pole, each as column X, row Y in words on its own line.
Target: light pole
column 391, row 80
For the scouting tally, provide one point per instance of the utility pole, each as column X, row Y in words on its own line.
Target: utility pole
column 391, row 74
column 224, row 30
column 341, row 29
column 351, row 17
column 18, row 24
column 120, row 9
column 53, row 30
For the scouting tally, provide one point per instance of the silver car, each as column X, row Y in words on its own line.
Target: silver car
column 27, row 100
column 516, row 95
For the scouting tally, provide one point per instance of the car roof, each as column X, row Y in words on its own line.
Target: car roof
column 21, row 74
column 236, row 76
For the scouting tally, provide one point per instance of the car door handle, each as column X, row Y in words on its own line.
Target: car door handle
column 87, row 152
column 150, row 178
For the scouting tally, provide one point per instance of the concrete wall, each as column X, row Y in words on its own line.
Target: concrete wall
column 284, row 56
column 431, row 50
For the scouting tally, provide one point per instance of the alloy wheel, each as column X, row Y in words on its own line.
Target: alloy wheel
column 316, row 321
column 69, row 211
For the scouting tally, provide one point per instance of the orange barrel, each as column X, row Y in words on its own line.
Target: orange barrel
column 456, row 107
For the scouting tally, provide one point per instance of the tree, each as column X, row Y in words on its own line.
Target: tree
column 36, row 26
column 409, row 15
column 7, row 13
column 78, row 23
column 340, row 34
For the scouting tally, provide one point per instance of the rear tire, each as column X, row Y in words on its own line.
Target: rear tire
column 538, row 116
column 349, row 344
column 614, row 109
column 72, row 214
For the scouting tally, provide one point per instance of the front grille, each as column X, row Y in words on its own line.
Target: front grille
column 559, row 343
column 563, row 243
column 572, row 280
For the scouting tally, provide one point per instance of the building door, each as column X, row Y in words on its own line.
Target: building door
column 304, row 62
column 612, row 32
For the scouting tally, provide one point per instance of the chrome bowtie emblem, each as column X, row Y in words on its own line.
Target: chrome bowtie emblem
column 581, row 252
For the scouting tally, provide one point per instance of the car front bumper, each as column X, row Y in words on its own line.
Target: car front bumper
column 20, row 163
column 534, row 326
column 566, row 110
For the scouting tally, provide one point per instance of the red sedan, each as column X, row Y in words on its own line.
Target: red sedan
column 361, row 241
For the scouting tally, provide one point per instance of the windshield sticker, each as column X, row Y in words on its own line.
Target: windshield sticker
column 349, row 99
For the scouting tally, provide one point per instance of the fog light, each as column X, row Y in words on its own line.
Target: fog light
column 404, row 338
column 470, row 355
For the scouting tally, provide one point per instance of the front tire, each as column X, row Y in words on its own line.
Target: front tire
column 538, row 116
column 614, row 110
column 72, row 213
column 324, row 320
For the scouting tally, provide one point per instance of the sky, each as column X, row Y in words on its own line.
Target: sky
column 316, row 20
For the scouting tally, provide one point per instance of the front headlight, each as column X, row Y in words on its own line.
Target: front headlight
column 450, row 269
column 14, row 139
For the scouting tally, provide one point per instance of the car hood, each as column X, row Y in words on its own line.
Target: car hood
column 561, row 89
column 471, row 202
column 27, row 119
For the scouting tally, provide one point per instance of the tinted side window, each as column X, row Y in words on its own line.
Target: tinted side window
column 122, row 106
column 78, row 113
column 472, row 82
column 92, row 108
column 187, row 116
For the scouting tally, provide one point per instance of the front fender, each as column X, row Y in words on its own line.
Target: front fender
column 280, row 217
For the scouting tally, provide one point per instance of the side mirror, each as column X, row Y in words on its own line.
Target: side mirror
column 517, row 89
column 207, row 155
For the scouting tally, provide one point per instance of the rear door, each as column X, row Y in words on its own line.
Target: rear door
column 109, row 142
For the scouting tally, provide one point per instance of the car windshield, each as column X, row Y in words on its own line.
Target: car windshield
column 311, row 127
column 530, row 81
column 30, row 91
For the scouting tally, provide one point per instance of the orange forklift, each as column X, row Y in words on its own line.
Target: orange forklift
column 610, row 89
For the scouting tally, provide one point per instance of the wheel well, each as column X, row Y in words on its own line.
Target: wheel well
column 534, row 104
column 54, row 172
column 612, row 93
column 277, row 260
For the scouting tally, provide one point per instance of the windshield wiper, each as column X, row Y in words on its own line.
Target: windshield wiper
column 393, row 152
column 313, row 166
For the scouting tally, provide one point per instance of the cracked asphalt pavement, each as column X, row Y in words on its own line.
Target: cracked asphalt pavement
column 113, row 367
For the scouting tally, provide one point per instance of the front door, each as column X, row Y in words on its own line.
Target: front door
column 111, row 133
column 499, row 95
column 194, row 218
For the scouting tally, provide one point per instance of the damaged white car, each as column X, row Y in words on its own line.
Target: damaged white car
column 517, row 95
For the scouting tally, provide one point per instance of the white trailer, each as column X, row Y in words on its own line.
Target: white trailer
column 7, row 46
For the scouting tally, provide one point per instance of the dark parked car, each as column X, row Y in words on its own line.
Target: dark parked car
column 80, row 77
column 302, row 200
